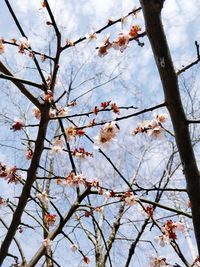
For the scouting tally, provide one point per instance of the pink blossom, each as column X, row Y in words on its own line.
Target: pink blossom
column 17, row 125
column 2, row 46
column 121, row 42
column 74, row 247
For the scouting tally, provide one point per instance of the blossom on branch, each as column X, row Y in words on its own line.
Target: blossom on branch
column 106, row 134
column 48, row 97
column 154, row 127
column 159, row 261
column 134, row 31
column 29, row 154
column 24, row 44
column 17, row 125
column 73, row 132
column 91, row 36
column 50, row 219
column 86, row 259
column 102, row 51
column 2, row 46
column 9, row 173
column 81, row 153
column 121, row 42
column 74, row 247
column 37, row 113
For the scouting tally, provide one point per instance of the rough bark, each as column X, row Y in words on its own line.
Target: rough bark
column 155, row 32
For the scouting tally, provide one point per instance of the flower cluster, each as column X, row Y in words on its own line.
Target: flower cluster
column 50, row 219
column 2, row 46
column 169, row 232
column 75, row 180
column 9, row 173
column 17, row 125
column 104, row 105
column 60, row 112
column 159, row 261
column 73, row 132
column 127, row 197
column 120, row 43
column 81, row 153
column 106, row 134
column 152, row 128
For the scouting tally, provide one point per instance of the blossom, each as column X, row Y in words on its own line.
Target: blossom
column 105, row 104
column 50, row 219
column 171, row 227
column 134, row 31
column 17, row 125
column 69, row 42
column 52, row 113
column 115, row 108
column 43, row 4
column 111, row 20
column 29, row 154
column 3, row 201
column 102, row 51
column 74, row 247
column 48, row 97
column 72, row 131
column 196, row 262
column 63, row 111
column 106, row 134
column 149, row 210
column 156, row 131
column 86, row 259
column 37, row 113
column 9, row 173
column 161, row 117
column 75, row 180
column 91, row 36
column 121, row 42
column 130, row 200
column 154, row 127
column 159, row 261
column 25, row 42
column 43, row 197
column 2, row 46
column 81, row 153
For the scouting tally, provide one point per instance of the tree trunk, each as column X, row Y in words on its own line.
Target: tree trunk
column 154, row 28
